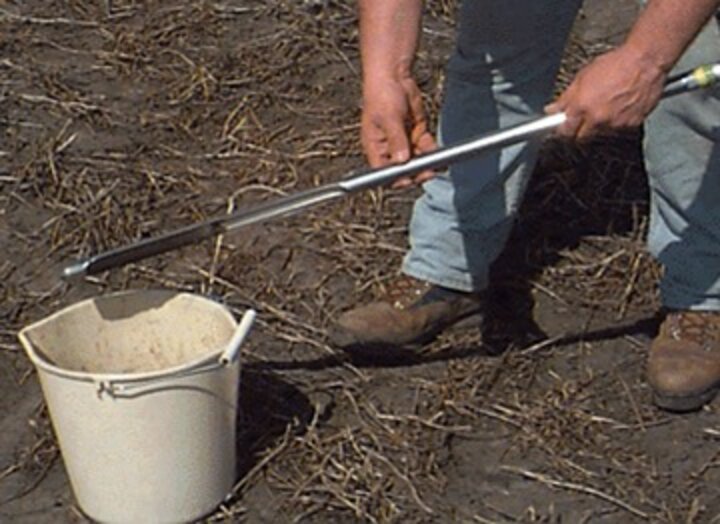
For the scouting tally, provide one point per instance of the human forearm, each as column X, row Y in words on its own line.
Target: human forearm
column 393, row 125
column 389, row 33
column 665, row 29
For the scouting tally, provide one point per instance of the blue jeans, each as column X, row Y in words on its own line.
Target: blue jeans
column 502, row 72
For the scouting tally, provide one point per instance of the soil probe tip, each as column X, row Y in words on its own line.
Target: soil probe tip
column 75, row 271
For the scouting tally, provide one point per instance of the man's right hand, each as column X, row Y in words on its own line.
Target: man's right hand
column 393, row 125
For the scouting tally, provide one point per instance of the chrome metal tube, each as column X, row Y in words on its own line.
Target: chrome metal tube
column 448, row 155
column 699, row 78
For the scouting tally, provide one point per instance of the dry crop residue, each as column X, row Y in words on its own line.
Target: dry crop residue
column 124, row 119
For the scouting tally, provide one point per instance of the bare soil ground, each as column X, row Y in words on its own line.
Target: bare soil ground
column 123, row 119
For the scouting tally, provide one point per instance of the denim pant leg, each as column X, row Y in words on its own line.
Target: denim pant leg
column 682, row 156
column 501, row 73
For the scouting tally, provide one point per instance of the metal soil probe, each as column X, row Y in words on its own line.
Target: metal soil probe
column 699, row 78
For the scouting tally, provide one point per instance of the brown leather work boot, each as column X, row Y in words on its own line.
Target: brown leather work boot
column 412, row 314
column 684, row 363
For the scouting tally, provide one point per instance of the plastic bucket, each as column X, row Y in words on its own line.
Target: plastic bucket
column 141, row 388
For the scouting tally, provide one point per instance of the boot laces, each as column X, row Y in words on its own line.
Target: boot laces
column 408, row 293
column 404, row 291
column 700, row 327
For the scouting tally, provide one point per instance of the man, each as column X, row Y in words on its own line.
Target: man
column 501, row 73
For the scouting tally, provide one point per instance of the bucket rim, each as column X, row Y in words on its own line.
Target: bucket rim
column 142, row 376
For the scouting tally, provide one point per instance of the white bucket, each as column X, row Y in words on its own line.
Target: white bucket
column 141, row 389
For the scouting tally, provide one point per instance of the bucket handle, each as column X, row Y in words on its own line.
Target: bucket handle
column 230, row 355
column 120, row 387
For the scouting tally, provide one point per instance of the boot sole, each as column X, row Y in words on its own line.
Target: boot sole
column 686, row 403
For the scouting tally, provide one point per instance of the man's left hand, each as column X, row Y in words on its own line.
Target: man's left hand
column 615, row 91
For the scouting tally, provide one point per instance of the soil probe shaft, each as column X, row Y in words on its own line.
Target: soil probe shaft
column 699, row 78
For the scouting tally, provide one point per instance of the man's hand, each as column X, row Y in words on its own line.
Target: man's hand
column 393, row 126
column 615, row 91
